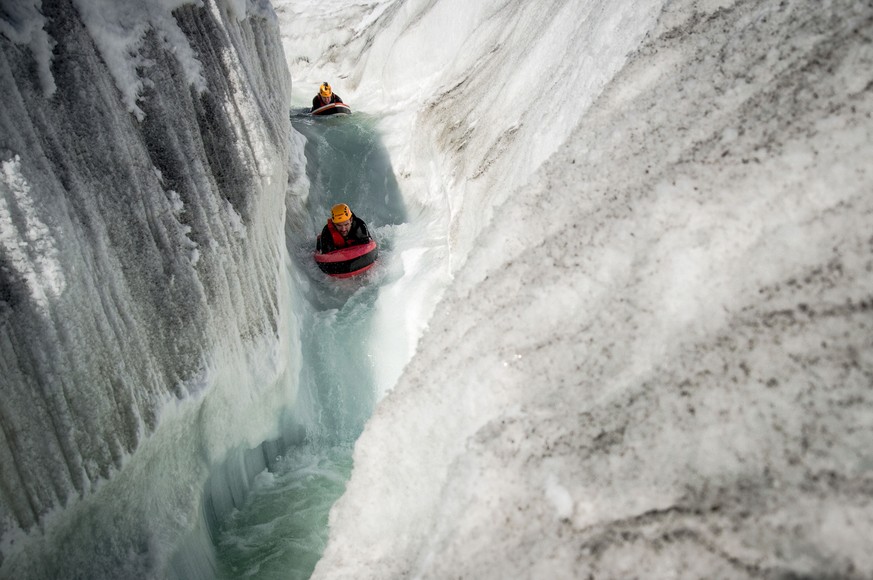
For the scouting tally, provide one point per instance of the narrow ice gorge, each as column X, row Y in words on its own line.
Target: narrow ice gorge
column 635, row 331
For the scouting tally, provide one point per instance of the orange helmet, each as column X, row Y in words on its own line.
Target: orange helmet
column 325, row 90
column 340, row 213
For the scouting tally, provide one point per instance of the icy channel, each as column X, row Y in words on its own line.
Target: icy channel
column 281, row 529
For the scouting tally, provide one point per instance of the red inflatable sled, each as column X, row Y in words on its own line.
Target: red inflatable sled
column 333, row 109
column 348, row 262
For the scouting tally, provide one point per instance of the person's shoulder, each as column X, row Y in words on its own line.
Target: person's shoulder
column 361, row 230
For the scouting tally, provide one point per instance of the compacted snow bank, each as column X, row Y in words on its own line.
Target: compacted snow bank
column 656, row 355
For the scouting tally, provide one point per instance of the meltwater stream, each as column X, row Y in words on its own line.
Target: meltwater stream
column 281, row 529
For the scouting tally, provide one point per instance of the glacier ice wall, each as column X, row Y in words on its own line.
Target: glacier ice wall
column 656, row 357
column 144, row 327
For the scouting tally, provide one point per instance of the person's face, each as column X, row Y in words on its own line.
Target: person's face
column 324, row 99
column 344, row 228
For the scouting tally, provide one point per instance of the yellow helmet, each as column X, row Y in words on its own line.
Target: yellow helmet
column 325, row 91
column 340, row 213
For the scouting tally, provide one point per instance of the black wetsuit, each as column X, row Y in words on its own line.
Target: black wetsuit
column 317, row 103
column 358, row 234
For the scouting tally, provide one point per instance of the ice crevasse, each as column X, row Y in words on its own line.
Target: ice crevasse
column 650, row 347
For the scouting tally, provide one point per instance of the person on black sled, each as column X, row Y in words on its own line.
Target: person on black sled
column 324, row 97
column 343, row 229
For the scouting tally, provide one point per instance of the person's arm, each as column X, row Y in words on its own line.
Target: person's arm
column 336, row 99
column 326, row 241
column 316, row 103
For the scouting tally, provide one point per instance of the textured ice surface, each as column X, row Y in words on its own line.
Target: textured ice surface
column 144, row 322
column 655, row 360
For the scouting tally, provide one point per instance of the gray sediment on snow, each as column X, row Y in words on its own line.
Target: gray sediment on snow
column 667, row 369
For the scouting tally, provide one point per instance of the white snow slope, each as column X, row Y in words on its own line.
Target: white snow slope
column 655, row 358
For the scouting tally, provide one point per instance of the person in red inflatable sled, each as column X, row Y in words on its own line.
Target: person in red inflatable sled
column 343, row 229
column 324, row 97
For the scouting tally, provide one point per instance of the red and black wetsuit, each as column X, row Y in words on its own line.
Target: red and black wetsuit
column 330, row 239
column 317, row 103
